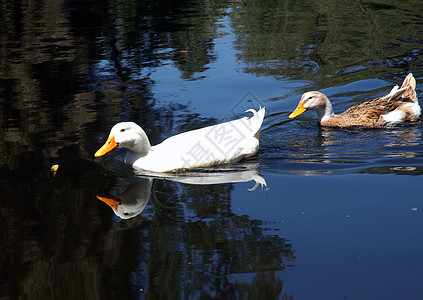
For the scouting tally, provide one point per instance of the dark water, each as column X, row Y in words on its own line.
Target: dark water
column 340, row 218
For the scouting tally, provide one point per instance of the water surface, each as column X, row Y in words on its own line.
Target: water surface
column 317, row 214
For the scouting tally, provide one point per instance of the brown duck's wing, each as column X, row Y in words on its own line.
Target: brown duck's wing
column 373, row 109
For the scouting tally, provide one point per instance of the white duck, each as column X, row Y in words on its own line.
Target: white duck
column 217, row 144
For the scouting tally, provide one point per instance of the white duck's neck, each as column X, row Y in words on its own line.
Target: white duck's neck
column 325, row 111
column 138, row 148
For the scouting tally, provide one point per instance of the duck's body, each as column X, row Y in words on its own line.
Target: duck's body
column 217, row 144
column 399, row 106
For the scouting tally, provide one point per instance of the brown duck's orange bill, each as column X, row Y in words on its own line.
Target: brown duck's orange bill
column 298, row 111
column 112, row 202
column 107, row 147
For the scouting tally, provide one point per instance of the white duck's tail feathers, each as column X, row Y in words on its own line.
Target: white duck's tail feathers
column 258, row 114
column 256, row 120
column 259, row 181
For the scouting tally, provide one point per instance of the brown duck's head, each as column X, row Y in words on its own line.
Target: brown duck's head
column 311, row 100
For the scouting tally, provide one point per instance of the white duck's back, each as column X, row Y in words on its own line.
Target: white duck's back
column 217, row 144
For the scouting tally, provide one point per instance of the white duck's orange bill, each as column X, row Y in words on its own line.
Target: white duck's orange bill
column 298, row 111
column 113, row 203
column 107, row 147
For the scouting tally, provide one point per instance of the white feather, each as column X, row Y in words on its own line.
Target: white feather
column 393, row 91
column 416, row 109
column 395, row 116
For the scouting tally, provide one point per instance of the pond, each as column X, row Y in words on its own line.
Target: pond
column 318, row 213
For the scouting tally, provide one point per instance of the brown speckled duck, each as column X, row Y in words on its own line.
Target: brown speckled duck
column 399, row 106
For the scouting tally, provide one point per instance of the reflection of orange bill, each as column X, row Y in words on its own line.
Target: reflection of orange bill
column 108, row 146
column 112, row 202
column 298, row 111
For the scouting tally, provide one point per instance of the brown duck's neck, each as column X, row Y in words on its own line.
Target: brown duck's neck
column 325, row 112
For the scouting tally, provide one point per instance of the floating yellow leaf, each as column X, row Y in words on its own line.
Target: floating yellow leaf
column 54, row 169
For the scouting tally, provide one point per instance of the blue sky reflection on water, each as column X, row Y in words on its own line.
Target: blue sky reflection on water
column 349, row 232
column 224, row 75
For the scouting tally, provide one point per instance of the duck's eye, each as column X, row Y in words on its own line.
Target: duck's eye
column 122, row 130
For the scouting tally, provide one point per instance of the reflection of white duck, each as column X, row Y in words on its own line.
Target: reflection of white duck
column 222, row 177
column 131, row 202
column 213, row 145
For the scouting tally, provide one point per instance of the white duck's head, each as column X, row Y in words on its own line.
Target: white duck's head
column 126, row 135
column 314, row 101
